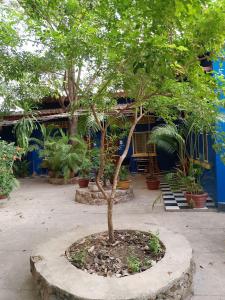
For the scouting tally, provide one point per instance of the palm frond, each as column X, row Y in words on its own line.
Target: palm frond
column 167, row 137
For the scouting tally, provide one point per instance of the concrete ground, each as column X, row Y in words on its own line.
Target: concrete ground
column 38, row 211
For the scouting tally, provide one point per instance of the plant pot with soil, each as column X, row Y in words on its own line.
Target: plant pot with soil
column 152, row 182
column 199, row 199
column 196, row 196
column 188, row 197
column 123, row 182
column 84, row 173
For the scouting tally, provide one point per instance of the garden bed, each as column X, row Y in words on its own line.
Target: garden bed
column 170, row 278
column 132, row 252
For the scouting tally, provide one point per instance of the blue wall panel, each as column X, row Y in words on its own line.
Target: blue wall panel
column 219, row 67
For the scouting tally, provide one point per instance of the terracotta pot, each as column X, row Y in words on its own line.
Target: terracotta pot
column 188, row 197
column 199, row 200
column 83, row 183
column 3, row 197
column 153, row 184
column 123, row 184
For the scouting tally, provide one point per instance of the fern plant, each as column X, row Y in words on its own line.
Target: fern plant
column 62, row 154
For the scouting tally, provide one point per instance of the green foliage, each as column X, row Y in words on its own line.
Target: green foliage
column 87, row 124
column 168, row 138
column 124, row 173
column 79, row 258
column 94, row 154
column 85, row 168
column 109, row 170
column 134, row 264
column 7, row 183
column 195, row 188
column 21, row 168
column 62, row 154
column 150, row 52
column 154, row 244
column 8, row 154
column 188, row 181
column 23, row 130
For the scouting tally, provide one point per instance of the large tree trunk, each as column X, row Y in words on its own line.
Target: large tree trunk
column 73, row 125
column 72, row 95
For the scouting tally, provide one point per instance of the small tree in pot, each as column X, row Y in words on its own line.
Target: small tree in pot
column 195, row 194
column 84, row 172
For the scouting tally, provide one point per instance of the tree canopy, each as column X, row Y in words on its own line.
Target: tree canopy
column 88, row 50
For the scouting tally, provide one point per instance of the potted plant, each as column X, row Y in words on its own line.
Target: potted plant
column 124, row 182
column 152, row 182
column 84, row 173
column 196, row 196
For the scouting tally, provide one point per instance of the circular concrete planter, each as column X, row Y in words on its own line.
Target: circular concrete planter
column 58, row 279
column 62, row 181
column 95, row 197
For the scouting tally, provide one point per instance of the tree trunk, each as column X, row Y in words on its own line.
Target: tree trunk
column 72, row 95
column 72, row 125
column 115, row 180
column 110, row 220
column 110, row 199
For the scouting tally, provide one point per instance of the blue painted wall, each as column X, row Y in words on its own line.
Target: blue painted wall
column 208, row 179
column 219, row 67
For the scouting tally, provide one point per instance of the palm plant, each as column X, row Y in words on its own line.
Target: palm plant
column 63, row 155
column 168, row 138
column 87, row 124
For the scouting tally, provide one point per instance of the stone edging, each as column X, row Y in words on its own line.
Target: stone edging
column 86, row 196
column 57, row 279
column 62, row 181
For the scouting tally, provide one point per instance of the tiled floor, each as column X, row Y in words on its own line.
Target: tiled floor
column 176, row 200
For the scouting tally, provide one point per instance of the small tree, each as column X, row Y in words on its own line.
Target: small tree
column 150, row 51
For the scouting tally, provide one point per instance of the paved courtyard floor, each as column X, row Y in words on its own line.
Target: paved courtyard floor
column 38, row 211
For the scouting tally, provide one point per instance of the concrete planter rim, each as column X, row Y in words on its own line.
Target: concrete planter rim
column 49, row 262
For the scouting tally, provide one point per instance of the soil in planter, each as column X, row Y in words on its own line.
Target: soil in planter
column 132, row 252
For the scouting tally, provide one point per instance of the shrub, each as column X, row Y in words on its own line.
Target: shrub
column 8, row 155
column 154, row 244
column 134, row 264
